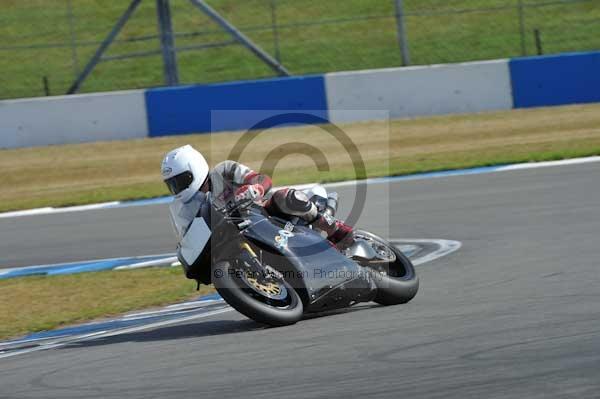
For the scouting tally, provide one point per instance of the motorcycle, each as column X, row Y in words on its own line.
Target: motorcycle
column 274, row 270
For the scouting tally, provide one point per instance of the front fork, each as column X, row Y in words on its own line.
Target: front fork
column 254, row 262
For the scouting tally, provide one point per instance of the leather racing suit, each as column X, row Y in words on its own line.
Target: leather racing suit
column 230, row 179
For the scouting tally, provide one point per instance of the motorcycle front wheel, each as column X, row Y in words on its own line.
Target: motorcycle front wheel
column 394, row 274
column 273, row 301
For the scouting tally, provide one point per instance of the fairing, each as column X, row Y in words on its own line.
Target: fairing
column 311, row 263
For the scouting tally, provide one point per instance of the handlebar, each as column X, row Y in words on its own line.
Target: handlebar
column 233, row 205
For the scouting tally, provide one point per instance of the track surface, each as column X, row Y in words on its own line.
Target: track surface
column 515, row 313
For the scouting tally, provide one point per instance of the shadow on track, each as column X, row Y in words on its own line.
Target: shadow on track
column 200, row 329
column 180, row 331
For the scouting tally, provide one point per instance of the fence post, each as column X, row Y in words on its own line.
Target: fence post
column 71, row 18
column 275, row 30
column 538, row 41
column 167, row 43
column 46, row 85
column 522, row 28
column 402, row 40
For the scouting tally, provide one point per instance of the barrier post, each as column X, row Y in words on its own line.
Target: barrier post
column 522, row 28
column 538, row 41
column 402, row 39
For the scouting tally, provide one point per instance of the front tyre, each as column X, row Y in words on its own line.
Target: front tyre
column 395, row 277
column 273, row 302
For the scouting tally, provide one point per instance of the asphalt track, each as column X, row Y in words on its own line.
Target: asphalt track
column 514, row 314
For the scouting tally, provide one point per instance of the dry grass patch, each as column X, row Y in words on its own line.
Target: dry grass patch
column 85, row 173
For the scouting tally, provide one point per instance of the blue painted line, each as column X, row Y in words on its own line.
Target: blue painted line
column 143, row 202
column 443, row 173
column 210, row 297
column 110, row 325
column 78, row 267
column 83, row 329
column 88, row 267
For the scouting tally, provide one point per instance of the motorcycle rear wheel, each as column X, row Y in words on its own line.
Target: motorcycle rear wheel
column 396, row 280
column 261, row 302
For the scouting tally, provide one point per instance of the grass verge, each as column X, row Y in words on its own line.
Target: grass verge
column 120, row 170
column 42, row 303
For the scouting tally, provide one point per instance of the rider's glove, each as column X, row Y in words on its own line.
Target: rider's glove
column 250, row 191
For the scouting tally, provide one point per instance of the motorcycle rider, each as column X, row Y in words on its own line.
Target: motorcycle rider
column 189, row 178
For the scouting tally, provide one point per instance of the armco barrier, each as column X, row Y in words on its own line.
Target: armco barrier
column 556, row 80
column 422, row 90
column 180, row 110
column 73, row 119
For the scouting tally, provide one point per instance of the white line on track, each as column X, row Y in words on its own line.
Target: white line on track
column 168, row 309
column 49, row 210
column 463, row 172
column 168, row 322
column 160, row 262
column 135, row 262
column 50, row 345
column 446, row 247
column 104, row 334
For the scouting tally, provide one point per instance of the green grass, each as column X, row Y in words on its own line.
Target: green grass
column 47, row 302
column 309, row 41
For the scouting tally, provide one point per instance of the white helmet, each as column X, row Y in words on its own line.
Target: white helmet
column 184, row 170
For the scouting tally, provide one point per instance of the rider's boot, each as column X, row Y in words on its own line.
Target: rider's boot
column 338, row 232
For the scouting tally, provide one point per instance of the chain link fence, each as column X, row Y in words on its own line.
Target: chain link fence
column 45, row 44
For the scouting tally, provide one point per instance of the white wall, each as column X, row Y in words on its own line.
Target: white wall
column 73, row 119
column 422, row 90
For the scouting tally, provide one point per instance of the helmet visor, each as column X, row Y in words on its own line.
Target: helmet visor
column 180, row 182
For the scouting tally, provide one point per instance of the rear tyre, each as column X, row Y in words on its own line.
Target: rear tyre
column 274, row 303
column 395, row 279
